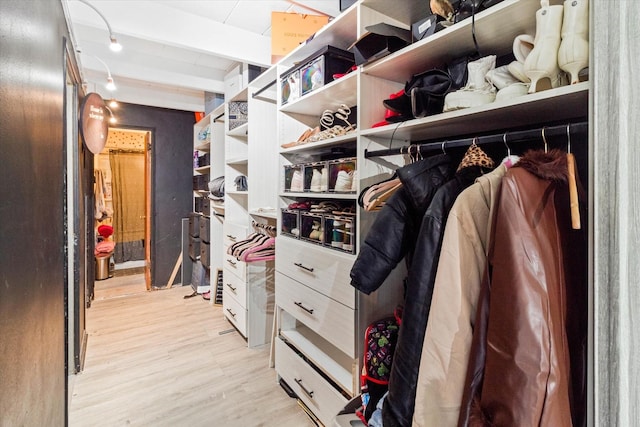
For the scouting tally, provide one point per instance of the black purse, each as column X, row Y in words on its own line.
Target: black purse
column 423, row 95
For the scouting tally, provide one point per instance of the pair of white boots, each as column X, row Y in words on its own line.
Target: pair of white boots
column 561, row 43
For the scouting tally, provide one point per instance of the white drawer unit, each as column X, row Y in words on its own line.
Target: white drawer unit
column 233, row 233
column 235, row 287
column 234, row 266
column 321, row 269
column 323, row 399
column 235, row 312
column 330, row 319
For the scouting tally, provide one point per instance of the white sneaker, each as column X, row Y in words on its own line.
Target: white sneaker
column 343, row 181
column 316, row 182
column 324, row 180
column 297, row 185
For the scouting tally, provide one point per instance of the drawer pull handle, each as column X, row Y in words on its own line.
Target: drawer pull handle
column 308, row 310
column 233, row 263
column 231, row 287
column 307, row 392
column 299, row 264
column 231, row 313
column 231, row 237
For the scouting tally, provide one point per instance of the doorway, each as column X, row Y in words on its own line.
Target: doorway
column 123, row 205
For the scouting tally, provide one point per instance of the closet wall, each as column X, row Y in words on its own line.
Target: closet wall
column 171, row 172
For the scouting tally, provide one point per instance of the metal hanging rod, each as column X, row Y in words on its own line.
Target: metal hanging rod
column 258, row 92
column 504, row 137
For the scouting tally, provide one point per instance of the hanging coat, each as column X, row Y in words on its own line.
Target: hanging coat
column 394, row 231
column 399, row 404
column 447, row 340
column 527, row 365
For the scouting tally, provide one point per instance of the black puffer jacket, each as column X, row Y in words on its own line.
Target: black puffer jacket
column 394, row 232
column 398, row 406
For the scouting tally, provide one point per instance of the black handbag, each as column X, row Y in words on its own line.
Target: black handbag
column 427, row 99
column 423, row 95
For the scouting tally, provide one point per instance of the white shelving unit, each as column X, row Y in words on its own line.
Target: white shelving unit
column 248, row 295
column 312, row 282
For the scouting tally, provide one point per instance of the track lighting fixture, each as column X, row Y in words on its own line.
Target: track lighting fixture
column 112, row 118
column 111, row 86
column 114, row 45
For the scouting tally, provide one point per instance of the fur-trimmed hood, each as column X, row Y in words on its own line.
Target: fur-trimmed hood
column 551, row 165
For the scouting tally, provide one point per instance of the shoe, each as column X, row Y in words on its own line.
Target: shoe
column 477, row 91
column 297, row 185
column 541, row 65
column 354, row 181
column 338, row 234
column 316, row 180
column 573, row 54
column 522, row 47
column 343, row 181
column 324, row 180
column 347, row 241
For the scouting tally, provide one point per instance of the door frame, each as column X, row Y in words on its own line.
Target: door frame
column 148, row 193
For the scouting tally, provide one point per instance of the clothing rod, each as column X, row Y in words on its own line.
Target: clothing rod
column 511, row 137
column 254, row 94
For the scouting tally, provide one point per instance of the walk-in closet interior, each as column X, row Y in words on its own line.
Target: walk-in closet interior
column 382, row 206
column 421, row 215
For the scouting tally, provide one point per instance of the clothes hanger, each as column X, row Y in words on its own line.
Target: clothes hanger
column 380, row 200
column 475, row 156
column 573, row 187
column 509, row 160
column 544, row 138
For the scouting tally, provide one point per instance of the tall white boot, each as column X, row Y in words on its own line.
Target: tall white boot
column 573, row 54
column 541, row 65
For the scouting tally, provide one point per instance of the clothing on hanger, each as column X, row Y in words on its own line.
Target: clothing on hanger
column 449, row 330
column 399, row 405
column 532, row 310
column 393, row 234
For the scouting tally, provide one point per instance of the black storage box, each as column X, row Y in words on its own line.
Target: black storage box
column 204, row 254
column 194, row 248
column 318, row 69
column 379, row 41
column 194, row 224
column 204, row 229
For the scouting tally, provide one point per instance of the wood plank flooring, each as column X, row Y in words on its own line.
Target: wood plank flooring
column 157, row 359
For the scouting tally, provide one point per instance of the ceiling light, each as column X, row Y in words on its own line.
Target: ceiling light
column 114, row 46
column 113, row 103
column 111, row 86
column 112, row 118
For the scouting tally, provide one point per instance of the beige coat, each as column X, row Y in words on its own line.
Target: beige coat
column 447, row 342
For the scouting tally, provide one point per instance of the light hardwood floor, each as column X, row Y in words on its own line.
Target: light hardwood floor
column 157, row 359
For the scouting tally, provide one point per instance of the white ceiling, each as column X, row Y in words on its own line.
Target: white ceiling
column 175, row 50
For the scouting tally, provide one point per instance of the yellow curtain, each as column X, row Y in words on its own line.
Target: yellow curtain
column 127, row 169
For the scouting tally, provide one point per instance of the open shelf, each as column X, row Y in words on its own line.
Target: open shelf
column 271, row 214
column 241, row 131
column 340, row 33
column 496, row 28
column 322, row 146
column 345, row 196
column 205, row 146
column 563, row 103
column 241, row 160
column 203, row 169
column 329, row 97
